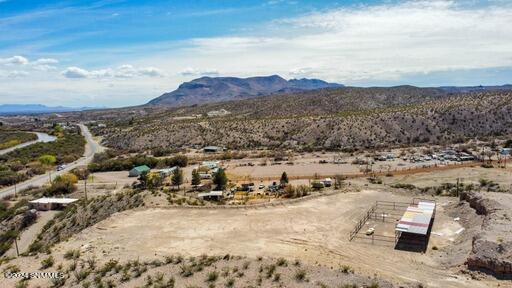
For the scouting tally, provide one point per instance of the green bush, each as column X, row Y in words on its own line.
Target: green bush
column 109, row 161
column 47, row 262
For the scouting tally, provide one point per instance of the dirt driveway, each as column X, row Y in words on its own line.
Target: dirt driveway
column 315, row 231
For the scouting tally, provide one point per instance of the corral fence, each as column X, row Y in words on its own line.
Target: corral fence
column 361, row 222
column 385, row 211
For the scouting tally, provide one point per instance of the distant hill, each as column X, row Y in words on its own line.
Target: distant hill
column 465, row 89
column 9, row 109
column 216, row 89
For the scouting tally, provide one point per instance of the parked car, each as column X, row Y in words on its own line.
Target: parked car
column 61, row 167
column 261, row 186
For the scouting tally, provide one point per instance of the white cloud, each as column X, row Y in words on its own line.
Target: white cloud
column 151, row 72
column 381, row 42
column 44, row 67
column 17, row 74
column 123, row 71
column 45, row 61
column 14, row 60
column 75, row 72
column 359, row 45
column 189, row 71
column 302, row 72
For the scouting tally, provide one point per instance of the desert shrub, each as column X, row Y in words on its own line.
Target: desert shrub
column 37, row 157
column 107, row 161
column 72, row 254
column 9, row 139
column 375, row 180
column 404, row 186
column 300, row 275
column 346, row 269
column 230, row 282
column 282, row 262
column 47, row 262
column 212, row 276
column 270, row 269
column 64, row 184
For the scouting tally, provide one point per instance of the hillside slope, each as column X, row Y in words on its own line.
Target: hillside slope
column 349, row 118
column 216, row 89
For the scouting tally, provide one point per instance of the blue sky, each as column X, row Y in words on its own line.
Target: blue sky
column 118, row 53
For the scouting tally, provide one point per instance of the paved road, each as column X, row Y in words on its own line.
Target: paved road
column 91, row 148
column 41, row 137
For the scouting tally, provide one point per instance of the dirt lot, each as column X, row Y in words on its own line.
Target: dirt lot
column 308, row 165
column 467, row 175
column 315, row 231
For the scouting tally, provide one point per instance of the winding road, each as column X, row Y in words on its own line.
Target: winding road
column 41, row 137
column 92, row 147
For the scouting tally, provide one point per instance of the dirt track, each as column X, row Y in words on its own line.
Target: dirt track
column 315, row 231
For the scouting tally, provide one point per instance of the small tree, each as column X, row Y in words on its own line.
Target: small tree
column 143, row 179
column 220, row 179
column 155, row 180
column 63, row 184
column 177, row 177
column 284, row 179
column 82, row 173
column 47, row 159
column 196, row 178
column 338, row 181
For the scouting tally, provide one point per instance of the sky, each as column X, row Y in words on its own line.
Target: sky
column 120, row 53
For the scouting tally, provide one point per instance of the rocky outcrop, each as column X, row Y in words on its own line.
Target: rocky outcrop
column 491, row 256
column 491, row 252
column 21, row 220
column 482, row 206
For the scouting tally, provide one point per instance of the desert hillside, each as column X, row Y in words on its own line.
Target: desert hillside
column 348, row 118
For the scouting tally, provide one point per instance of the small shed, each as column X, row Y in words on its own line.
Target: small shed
column 212, row 149
column 205, row 176
column 135, row 172
column 45, row 204
column 210, row 164
column 212, row 195
column 166, row 172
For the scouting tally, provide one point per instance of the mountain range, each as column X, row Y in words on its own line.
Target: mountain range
column 217, row 89
column 6, row 109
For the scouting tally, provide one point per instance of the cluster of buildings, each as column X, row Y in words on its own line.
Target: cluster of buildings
column 218, row 113
column 137, row 171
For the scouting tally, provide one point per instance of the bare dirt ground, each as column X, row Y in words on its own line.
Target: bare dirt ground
column 315, row 231
column 28, row 235
column 466, row 175
column 307, row 166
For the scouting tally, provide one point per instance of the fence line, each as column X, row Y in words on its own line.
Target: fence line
column 396, row 171
column 247, row 206
column 373, row 213
column 361, row 222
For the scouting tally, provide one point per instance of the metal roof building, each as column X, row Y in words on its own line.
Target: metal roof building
column 135, row 172
column 414, row 226
column 212, row 195
column 51, row 203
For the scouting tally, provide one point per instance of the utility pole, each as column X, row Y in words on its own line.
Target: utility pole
column 458, row 189
column 50, row 176
column 85, row 188
column 16, row 244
